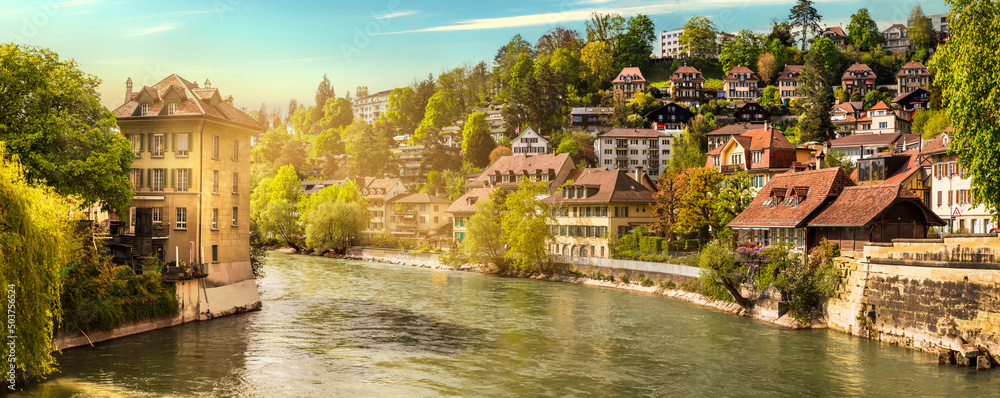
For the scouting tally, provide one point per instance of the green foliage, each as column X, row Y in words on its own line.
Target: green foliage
column 724, row 272
column 51, row 117
column 929, row 123
column 812, row 282
column 742, row 50
column 815, row 123
column 525, row 224
column 337, row 113
column 367, row 149
column 920, row 30
column 35, row 244
column 273, row 207
column 98, row 295
column 598, row 65
column 862, row 32
column 687, row 151
column 839, row 159
column 477, row 141
column 605, row 28
column 804, row 18
column 699, row 38
column 771, row 99
column 333, row 216
column 967, row 74
column 258, row 251
column 485, row 240
column 650, row 244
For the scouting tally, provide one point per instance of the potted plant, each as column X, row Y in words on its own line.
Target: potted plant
column 184, row 268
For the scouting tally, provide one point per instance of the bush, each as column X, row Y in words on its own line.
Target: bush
column 650, row 244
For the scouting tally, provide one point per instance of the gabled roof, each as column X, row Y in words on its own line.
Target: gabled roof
column 835, row 29
column 731, row 129
column 678, row 74
column 818, row 186
column 612, row 186
column 419, row 198
column 592, row 110
column 859, row 206
column 519, row 165
column 873, row 139
column 915, row 93
column 858, row 68
column 937, row 145
column 913, row 65
column 740, row 70
column 631, row 73
column 790, row 70
column 904, row 173
column 633, row 133
column 899, row 26
column 769, row 138
column 880, row 105
column 530, row 130
column 194, row 101
column 467, row 203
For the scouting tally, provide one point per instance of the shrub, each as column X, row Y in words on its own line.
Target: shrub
column 650, row 244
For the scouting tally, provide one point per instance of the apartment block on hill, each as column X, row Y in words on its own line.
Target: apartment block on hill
column 687, row 85
column 629, row 150
column 912, row 76
column 418, row 215
column 593, row 119
column 896, row 39
column 788, row 83
column 379, row 192
column 370, row 107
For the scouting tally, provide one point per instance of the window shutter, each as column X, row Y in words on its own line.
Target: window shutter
column 149, row 141
column 139, row 171
column 173, row 177
column 149, row 177
column 142, row 142
column 166, row 142
column 939, row 201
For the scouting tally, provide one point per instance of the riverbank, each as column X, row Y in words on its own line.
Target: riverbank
column 665, row 284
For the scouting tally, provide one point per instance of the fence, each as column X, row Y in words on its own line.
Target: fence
column 640, row 266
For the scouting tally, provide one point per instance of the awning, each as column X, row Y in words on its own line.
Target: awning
column 161, row 197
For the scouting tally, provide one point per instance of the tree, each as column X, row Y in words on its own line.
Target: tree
column 485, row 241
column 873, row 97
column 268, row 150
column 328, row 145
column 477, row 143
column 839, row 159
column 599, row 64
column 293, row 106
column 742, row 50
column 687, row 153
column 804, row 18
column 771, row 100
column 635, row 46
column 768, row 68
column 783, row 55
column 967, row 74
column 699, row 38
column 36, row 239
column 367, row 152
column 724, row 269
column 506, row 59
column 537, row 99
column 500, row 152
column 324, row 92
column 605, row 27
column 666, row 200
column 580, row 146
column 435, row 117
column 920, row 30
column 832, row 60
column 337, row 113
column 929, row 123
column 696, row 212
column 862, row 32
column 404, row 112
column 735, row 194
column 699, row 127
column 51, row 118
column 782, row 32
column 526, row 226
column 273, row 207
column 558, row 38
column 361, row 91
column 333, row 216
column 815, row 123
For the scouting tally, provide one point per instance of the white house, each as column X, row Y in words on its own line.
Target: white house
column 530, row 143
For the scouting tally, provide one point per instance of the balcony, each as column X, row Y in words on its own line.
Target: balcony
column 621, row 155
column 654, row 154
column 732, row 168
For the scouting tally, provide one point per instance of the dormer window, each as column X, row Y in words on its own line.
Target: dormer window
column 756, row 156
column 171, row 108
column 144, row 111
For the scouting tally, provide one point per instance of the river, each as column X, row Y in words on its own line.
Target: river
column 350, row 328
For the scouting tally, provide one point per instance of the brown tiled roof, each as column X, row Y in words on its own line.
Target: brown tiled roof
column 769, row 138
column 896, row 25
column 462, row 205
column 911, row 167
column 731, row 129
column 741, row 70
column 383, row 184
column 419, row 198
column 633, row 133
column 858, row 68
column 612, row 186
column 912, row 65
column 837, row 30
column 821, row 184
column 860, row 205
column 790, row 70
column 630, row 71
column 873, row 139
column 520, row 164
column 689, row 70
column 936, row 145
column 880, row 105
column 194, row 101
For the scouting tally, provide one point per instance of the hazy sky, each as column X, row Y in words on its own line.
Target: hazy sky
column 272, row 51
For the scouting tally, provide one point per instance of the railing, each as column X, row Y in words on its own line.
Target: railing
column 732, row 168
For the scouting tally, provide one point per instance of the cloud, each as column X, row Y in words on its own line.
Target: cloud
column 583, row 14
column 395, row 14
column 156, row 29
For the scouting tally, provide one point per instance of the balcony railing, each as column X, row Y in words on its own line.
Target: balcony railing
column 732, row 168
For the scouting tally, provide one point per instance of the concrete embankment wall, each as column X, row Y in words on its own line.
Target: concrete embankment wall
column 230, row 288
column 925, row 294
column 679, row 274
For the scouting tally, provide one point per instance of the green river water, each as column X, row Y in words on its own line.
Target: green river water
column 350, row 328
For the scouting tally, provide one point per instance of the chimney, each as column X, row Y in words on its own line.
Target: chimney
column 638, row 174
column 208, row 84
column 128, row 90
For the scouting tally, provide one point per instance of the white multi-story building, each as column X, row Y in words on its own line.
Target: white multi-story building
column 530, row 143
column 370, row 107
column 951, row 194
column 670, row 46
column 635, row 149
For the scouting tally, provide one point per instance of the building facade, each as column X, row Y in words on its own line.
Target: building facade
column 629, row 82
column 911, row 76
column 379, row 192
column 741, row 84
column 530, row 143
column 951, row 190
column 896, row 39
column 669, row 117
column 751, row 112
column 418, row 215
column 415, row 161
column 881, row 119
column 836, row 35
column 670, row 46
column 192, row 169
column 597, row 205
column 463, row 208
column 858, row 78
column 686, row 85
column 593, row 119
column 762, row 153
column 370, row 107
column 788, row 83
column 629, row 150
column 508, row 171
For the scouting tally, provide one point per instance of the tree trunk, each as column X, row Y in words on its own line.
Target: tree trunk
column 735, row 292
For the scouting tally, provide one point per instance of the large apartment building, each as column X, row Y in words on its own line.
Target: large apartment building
column 670, row 44
column 418, row 214
column 192, row 169
column 629, row 150
column 951, row 190
column 379, row 192
column 370, row 107
column 896, row 38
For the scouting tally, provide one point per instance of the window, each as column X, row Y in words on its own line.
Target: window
column 172, row 108
column 182, row 145
column 756, row 157
column 215, row 181
column 236, row 217
column 236, row 182
column 883, row 125
column 157, row 215
column 236, row 150
column 156, row 180
column 215, row 147
column 136, row 141
column 183, row 180
column 145, row 110
column 135, row 177
column 423, row 208
column 215, row 218
column 157, row 148
column 182, row 218
column 131, row 218
column 215, row 253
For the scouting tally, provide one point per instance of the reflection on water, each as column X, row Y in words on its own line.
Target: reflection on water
column 346, row 328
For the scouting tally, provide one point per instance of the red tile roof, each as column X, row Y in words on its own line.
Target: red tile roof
column 604, row 186
column 904, row 173
column 518, row 165
column 630, row 72
column 899, row 26
column 419, row 198
column 837, row 30
column 859, row 206
column 937, row 145
column 913, row 65
column 677, row 76
column 873, row 139
column 740, row 70
column 820, row 185
column 194, row 101
column 858, row 68
column 789, row 71
column 731, row 129
column 467, row 203
column 880, row 105
column 769, row 138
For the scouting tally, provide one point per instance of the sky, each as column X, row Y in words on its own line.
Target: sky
column 273, row 51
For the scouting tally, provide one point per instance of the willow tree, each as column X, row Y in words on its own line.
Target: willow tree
column 35, row 243
column 526, row 225
column 967, row 74
column 485, row 241
column 333, row 216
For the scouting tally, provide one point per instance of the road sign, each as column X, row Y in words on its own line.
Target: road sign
column 956, row 213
